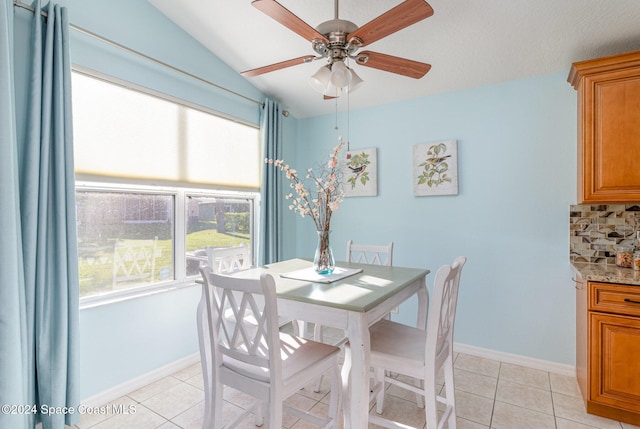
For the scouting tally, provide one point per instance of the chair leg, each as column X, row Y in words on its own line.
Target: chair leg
column 346, row 382
column 319, row 337
column 318, row 387
column 258, row 414
column 274, row 414
column 419, row 398
column 298, row 328
column 335, row 395
column 450, row 392
column 317, row 333
column 430, row 410
column 205, row 360
column 216, row 391
column 380, row 384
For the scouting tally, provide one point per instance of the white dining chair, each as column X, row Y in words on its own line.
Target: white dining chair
column 251, row 355
column 134, row 261
column 229, row 259
column 370, row 254
column 221, row 260
column 420, row 354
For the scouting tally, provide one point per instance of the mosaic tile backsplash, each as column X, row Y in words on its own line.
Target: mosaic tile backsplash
column 595, row 230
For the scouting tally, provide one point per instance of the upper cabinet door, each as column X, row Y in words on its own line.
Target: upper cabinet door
column 608, row 128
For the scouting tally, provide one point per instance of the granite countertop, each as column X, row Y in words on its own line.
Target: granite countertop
column 607, row 273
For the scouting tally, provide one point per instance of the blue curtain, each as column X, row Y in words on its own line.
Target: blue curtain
column 12, row 321
column 39, row 291
column 271, row 198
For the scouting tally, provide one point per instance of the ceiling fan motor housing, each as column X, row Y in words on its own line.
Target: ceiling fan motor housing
column 336, row 31
column 337, row 26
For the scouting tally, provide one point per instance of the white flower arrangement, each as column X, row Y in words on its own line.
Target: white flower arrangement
column 326, row 184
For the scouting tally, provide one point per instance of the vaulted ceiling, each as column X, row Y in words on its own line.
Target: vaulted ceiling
column 469, row 43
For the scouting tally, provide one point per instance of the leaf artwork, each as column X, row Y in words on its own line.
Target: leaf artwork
column 435, row 168
column 357, row 168
column 360, row 173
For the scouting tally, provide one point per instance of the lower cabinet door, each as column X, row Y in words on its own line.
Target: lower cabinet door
column 615, row 361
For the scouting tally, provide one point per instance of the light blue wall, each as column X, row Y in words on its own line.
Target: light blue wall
column 289, row 152
column 125, row 340
column 517, row 158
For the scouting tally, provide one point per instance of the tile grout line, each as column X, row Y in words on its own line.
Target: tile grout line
column 553, row 404
column 495, row 395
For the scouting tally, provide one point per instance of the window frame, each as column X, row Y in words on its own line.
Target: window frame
column 180, row 195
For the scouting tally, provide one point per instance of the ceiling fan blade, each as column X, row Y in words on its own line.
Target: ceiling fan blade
column 285, row 17
column 405, row 14
column 393, row 64
column 278, row 66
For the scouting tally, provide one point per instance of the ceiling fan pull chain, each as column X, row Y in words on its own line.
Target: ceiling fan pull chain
column 336, row 109
column 348, row 110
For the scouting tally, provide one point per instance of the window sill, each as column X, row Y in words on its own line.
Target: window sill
column 116, row 297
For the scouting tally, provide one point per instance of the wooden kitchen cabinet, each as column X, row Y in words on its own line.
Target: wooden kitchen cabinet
column 609, row 340
column 608, row 128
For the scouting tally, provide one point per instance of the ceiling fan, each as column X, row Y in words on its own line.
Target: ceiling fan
column 337, row 40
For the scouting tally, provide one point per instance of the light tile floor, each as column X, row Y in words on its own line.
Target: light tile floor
column 489, row 394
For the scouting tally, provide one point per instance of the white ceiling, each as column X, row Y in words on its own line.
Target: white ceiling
column 469, row 43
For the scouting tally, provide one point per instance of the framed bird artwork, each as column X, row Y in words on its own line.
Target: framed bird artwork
column 435, row 168
column 360, row 173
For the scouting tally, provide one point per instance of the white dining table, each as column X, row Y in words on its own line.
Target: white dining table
column 352, row 304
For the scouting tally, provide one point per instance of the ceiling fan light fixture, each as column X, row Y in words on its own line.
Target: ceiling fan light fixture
column 320, row 79
column 333, row 91
column 356, row 81
column 340, row 74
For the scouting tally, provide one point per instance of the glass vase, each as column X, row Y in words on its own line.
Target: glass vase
column 323, row 261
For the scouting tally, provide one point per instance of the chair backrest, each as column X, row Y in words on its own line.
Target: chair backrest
column 442, row 313
column 134, row 261
column 244, row 317
column 370, row 254
column 224, row 260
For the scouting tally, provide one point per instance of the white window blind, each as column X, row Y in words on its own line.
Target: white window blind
column 130, row 134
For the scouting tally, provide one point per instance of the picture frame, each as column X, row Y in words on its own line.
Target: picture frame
column 435, row 168
column 360, row 173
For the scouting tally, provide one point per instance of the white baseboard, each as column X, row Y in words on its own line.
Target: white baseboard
column 529, row 362
column 129, row 386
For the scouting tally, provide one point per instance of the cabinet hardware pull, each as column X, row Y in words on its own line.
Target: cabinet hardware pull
column 578, row 283
column 631, row 301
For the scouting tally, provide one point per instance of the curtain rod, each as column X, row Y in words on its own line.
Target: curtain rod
column 18, row 3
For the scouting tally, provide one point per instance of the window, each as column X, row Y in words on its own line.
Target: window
column 158, row 182
column 225, row 220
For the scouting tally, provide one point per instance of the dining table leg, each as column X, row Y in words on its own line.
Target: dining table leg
column 421, row 323
column 423, row 305
column 355, row 372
